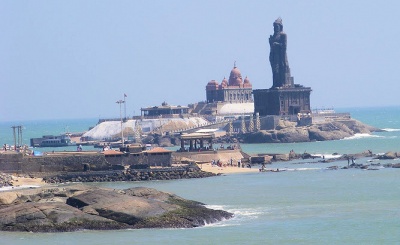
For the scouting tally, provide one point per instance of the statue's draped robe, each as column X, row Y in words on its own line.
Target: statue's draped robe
column 278, row 59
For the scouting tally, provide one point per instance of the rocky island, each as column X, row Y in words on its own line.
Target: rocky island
column 290, row 132
column 76, row 207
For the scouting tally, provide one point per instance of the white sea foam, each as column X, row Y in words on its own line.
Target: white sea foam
column 248, row 213
column 216, row 207
column 251, row 213
column 362, row 136
column 391, row 129
column 305, row 169
column 221, row 223
column 240, row 214
column 327, row 156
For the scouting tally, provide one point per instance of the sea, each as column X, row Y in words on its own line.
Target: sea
column 304, row 203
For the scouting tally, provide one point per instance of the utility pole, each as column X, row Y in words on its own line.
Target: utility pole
column 120, row 115
column 20, row 135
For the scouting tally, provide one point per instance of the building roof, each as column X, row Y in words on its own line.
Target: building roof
column 197, row 136
column 213, row 82
column 237, row 108
column 164, row 107
column 112, row 153
column 224, row 82
column 235, row 78
column 247, row 83
column 158, row 150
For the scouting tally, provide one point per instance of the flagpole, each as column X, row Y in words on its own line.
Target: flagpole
column 125, row 105
column 120, row 115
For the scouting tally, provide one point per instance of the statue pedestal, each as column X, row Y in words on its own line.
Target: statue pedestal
column 282, row 101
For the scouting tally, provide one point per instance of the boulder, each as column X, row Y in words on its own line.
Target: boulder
column 76, row 207
column 285, row 124
column 281, row 157
column 7, row 198
column 293, row 134
column 119, row 207
column 396, row 165
column 388, row 155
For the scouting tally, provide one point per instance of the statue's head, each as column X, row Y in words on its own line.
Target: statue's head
column 278, row 26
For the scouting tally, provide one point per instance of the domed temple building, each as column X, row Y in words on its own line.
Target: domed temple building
column 233, row 91
column 231, row 97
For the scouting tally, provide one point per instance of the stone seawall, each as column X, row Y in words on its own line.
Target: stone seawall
column 10, row 162
column 130, row 175
column 18, row 163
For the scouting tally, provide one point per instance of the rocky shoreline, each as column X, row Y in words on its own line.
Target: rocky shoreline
column 76, row 207
column 285, row 132
column 288, row 132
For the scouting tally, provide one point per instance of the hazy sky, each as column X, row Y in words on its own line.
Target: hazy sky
column 75, row 59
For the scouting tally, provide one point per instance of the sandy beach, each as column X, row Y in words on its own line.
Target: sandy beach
column 226, row 169
column 19, row 181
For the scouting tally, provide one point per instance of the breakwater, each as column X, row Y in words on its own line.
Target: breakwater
column 129, row 175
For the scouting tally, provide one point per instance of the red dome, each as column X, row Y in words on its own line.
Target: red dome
column 212, row 85
column 247, row 83
column 235, row 78
column 224, row 83
column 212, row 82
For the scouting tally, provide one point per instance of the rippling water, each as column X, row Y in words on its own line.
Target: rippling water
column 291, row 207
column 306, row 204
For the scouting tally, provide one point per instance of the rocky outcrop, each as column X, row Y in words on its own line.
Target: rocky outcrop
column 5, row 180
column 289, row 132
column 389, row 155
column 76, row 207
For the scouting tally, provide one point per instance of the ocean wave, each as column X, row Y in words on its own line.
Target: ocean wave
column 222, row 223
column 391, row 129
column 248, row 213
column 326, row 156
column 362, row 136
column 216, row 207
column 240, row 215
column 305, row 169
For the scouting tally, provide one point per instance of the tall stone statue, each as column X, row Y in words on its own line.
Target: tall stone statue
column 278, row 57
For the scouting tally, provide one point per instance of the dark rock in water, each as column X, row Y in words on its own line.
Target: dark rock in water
column 388, row 155
column 396, row 165
column 79, row 207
